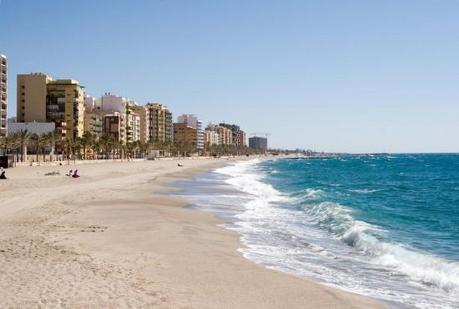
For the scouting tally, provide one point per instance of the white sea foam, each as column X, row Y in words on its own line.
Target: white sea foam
column 419, row 266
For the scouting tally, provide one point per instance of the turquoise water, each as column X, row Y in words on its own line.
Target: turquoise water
column 414, row 198
column 385, row 226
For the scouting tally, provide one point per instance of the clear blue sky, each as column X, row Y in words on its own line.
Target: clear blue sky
column 355, row 76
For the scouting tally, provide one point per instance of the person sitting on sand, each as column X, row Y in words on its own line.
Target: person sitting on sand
column 75, row 174
column 2, row 174
column 69, row 173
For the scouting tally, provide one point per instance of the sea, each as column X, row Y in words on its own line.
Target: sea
column 384, row 226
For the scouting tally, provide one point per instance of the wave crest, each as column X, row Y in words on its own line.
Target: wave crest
column 367, row 238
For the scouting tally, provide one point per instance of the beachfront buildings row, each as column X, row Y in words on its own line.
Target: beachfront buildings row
column 42, row 100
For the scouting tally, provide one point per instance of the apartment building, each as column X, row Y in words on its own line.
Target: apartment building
column 40, row 98
column 115, row 126
column 141, row 111
column 225, row 136
column 194, row 122
column 211, row 138
column 159, row 123
column 118, row 115
column 31, row 97
column 3, row 94
column 185, row 136
column 238, row 137
column 65, row 104
column 93, row 117
column 132, row 122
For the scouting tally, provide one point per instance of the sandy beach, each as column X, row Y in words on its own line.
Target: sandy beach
column 111, row 239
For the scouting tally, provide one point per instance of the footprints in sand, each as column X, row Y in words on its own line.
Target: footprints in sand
column 37, row 271
column 94, row 229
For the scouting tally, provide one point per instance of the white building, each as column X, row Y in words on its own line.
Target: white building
column 111, row 103
column 31, row 127
column 211, row 137
column 193, row 121
column 3, row 94
column 127, row 129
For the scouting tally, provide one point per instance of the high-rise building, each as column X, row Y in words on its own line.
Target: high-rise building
column 31, row 97
column 65, row 104
column 42, row 99
column 238, row 136
column 211, row 138
column 141, row 111
column 258, row 143
column 93, row 117
column 132, row 122
column 225, row 135
column 121, row 111
column 159, row 123
column 185, row 136
column 114, row 125
column 3, row 94
column 194, row 122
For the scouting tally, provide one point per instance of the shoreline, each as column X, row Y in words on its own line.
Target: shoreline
column 113, row 239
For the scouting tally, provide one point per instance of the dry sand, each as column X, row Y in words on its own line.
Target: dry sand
column 110, row 240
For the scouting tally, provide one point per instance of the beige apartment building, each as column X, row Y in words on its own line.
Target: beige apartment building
column 42, row 99
column 238, row 137
column 31, row 97
column 65, row 103
column 225, row 136
column 3, row 94
column 132, row 122
column 159, row 123
column 141, row 111
column 211, row 138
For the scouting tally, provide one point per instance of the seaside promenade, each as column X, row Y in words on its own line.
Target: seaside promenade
column 112, row 239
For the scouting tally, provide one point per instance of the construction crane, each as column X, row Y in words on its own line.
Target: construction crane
column 266, row 134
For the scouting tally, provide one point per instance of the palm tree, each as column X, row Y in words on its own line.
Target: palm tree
column 96, row 147
column 7, row 143
column 52, row 138
column 23, row 137
column 44, row 141
column 34, row 140
column 86, row 141
column 107, row 143
column 68, row 149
